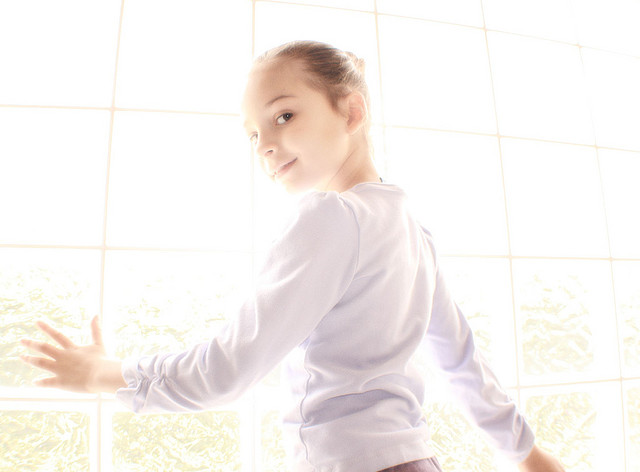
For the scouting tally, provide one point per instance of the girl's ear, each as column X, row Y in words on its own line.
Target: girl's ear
column 356, row 108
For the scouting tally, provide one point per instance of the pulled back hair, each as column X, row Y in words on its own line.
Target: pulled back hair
column 332, row 71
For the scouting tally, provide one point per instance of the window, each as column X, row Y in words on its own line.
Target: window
column 127, row 190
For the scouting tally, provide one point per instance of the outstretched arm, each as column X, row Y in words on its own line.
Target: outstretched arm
column 84, row 369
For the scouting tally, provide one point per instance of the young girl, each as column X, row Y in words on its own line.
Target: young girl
column 346, row 297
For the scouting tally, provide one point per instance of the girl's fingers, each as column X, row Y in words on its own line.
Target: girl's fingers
column 39, row 362
column 56, row 335
column 96, row 331
column 44, row 348
column 51, row 382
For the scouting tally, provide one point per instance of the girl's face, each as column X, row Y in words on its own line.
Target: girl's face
column 300, row 140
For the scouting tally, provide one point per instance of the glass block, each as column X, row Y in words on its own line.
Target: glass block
column 554, row 200
column 482, row 290
column 611, row 25
column 464, row 12
column 613, row 80
column 59, row 286
column 273, row 451
column 44, row 440
column 179, row 181
column 189, row 57
column 548, row 19
column 580, row 425
column 539, row 88
column 169, row 301
column 279, row 23
column 447, row 174
column 61, row 53
column 565, row 319
column 185, row 442
column 625, row 277
column 52, row 175
column 632, row 424
column 432, row 90
column 458, row 446
column 620, row 171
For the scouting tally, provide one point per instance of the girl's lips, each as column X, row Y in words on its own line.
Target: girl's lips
column 284, row 168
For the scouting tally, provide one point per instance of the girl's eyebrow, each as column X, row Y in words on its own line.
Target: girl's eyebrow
column 279, row 97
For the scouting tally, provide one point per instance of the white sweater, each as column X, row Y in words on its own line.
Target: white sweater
column 347, row 295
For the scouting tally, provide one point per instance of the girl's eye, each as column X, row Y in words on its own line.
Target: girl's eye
column 253, row 138
column 282, row 119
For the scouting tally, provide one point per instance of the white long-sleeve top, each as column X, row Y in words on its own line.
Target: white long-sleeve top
column 347, row 295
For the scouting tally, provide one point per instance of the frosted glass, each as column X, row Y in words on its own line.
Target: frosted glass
column 482, row 289
column 179, row 181
column 620, row 173
column 185, row 442
column 277, row 24
column 161, row 302
column 454, row 185
column 465, row 12
column 554, row 200
column 615, row 97
column 364, row 5
column 58, row 53
column 39, row 440
column 549, row 19
column 188, row 56
column 52, row 176
column 565, row 319
column 611, row 24
column 444, row 84
column 539, row 89
column 580, row 425
column 632, row 419
column 59, row 286
column 625, row 277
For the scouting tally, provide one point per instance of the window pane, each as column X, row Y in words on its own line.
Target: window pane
column 169, row 301
column 364, row 5
column 539, row 89
column 609, row 25
column 273, row 453
column 454, row 184
column 632, row 416
column 615, row 97
column 58, row 286
column 52, row 175
column 550, row 19
column 185, row 442
column 554, row 200
column 626, row 276
column 432, row 90
column 482, row 289
column 58, row 53
column 275, row 25
column 179, row 181
column 44, row 440
column 179, row 57
column 579, row 425
column 465, row 12
column 457, row 445
column 620, row 171
column 566, row 321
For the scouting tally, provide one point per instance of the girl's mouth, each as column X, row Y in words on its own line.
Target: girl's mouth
column 280, row 171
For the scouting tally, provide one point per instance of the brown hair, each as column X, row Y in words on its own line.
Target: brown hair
column 337, row 73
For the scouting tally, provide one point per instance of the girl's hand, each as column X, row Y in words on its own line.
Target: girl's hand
column 76, row 368
column 540, row 461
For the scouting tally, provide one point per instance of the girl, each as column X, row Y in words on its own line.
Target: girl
column 346, row 297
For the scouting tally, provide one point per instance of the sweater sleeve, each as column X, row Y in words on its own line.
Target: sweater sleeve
column 304, row 275
column 450, row 345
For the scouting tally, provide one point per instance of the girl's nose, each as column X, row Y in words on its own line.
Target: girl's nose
column 265, row 147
